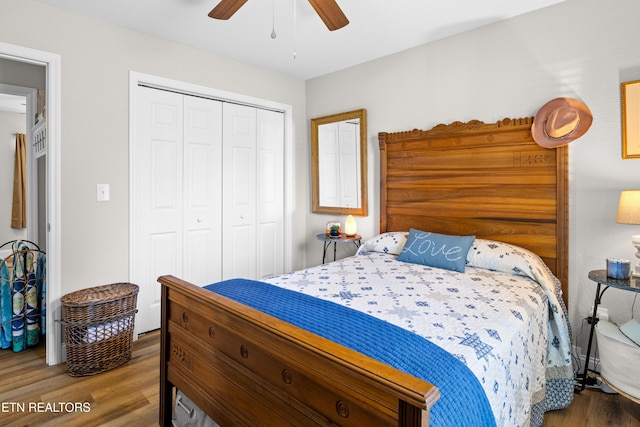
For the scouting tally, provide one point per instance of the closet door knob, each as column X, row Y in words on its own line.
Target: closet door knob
column 241, row 216
column 199, row 219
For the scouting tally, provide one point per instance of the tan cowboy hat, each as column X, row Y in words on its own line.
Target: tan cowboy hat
column 560, row 121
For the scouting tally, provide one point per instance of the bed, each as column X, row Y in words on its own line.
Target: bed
column 280, row 352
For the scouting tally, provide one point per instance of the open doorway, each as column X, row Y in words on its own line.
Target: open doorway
column 17, row 106
column 12, row 56
column 23, row 190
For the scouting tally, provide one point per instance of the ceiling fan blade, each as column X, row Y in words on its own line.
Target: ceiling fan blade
column 226, row 8
column 330, row 13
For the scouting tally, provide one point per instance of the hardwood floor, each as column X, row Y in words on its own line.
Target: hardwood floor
column 125, row 396
column 596, row 409
column 128, row 395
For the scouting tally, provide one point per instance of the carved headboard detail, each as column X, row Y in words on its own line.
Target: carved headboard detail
column 490, row 180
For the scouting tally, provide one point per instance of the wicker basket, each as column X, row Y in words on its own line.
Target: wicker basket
column 98, row 327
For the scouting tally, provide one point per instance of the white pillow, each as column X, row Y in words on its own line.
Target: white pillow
column 388, row 243
column 505, row 257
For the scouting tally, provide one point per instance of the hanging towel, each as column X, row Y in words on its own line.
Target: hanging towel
column 31, row 301
column 41, row 277
column 24, row 327
column 22, row 296
column 5, row 306
column 19, row 206
column 17, row 301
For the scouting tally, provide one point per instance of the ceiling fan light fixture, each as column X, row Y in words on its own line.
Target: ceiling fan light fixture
column 327, row 10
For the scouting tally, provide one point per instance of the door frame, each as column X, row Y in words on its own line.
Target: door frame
column 137, row 78
column 51, row 62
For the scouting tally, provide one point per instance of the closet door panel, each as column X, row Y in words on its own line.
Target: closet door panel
column 207, row 193
column 158, row 194
column 202, row 190
column 239, row 191
column 270, row 197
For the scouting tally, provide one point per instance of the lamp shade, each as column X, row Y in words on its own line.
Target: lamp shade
column 350, row 226
column 629, row 207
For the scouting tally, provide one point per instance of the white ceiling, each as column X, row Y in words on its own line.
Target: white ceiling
column 377, row 27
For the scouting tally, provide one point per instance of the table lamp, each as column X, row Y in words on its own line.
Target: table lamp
column 629, row 213
column 351, row 228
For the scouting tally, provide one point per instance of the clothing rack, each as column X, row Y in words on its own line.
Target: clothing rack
column 22, row 295
column 28, row 242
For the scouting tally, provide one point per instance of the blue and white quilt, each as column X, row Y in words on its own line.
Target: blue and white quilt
column 503, row 317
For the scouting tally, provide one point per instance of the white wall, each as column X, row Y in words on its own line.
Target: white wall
column 96, row 59
column 581, row 49
column 10, row 123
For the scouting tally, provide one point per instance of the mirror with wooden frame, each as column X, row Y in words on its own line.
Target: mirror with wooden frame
column 339, row 163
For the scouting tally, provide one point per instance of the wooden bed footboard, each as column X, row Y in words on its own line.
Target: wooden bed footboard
column 244, row 367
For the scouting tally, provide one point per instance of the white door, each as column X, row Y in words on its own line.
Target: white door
column 202, row 219
column 239, row 191
column 253, row 192
column 270, row 189
column 175, row 199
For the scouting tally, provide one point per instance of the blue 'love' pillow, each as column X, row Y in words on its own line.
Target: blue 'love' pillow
column 436, row 250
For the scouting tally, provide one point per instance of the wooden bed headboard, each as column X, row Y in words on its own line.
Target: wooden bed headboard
column 491, row 180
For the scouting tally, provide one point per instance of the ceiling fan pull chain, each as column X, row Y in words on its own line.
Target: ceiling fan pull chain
column 294, row 29
column 273, row 26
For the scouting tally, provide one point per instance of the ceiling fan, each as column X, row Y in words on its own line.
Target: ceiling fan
column 327, row 10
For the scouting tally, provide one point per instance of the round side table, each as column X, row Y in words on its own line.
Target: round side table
column 343, row 238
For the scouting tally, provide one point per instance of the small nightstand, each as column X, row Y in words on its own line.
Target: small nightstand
column 335, row 240
column 601, row 279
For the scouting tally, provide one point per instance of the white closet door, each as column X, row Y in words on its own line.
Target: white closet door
column 270, row 187
column 201, row 211
column 157, row 194
column 175, row 196
column 202, row 190
column 239, row 192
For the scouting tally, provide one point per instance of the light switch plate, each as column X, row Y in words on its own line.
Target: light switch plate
column 104, row 192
